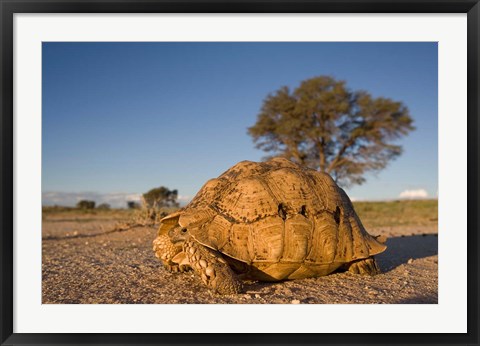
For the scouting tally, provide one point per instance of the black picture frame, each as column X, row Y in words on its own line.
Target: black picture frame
column 10, row 7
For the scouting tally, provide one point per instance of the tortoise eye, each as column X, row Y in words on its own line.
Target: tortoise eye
column 184, row 230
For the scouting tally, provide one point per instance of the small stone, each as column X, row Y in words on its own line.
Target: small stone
column 410, row 261
column 295, row 301
column 257, row 295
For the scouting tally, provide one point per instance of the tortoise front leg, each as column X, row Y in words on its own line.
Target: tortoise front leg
column 165, row 250
column 212, row 268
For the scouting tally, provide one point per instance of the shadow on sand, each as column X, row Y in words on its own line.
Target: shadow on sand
column 401, row 249
column 430, row 299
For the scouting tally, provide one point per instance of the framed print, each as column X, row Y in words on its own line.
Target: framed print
column 243, row 172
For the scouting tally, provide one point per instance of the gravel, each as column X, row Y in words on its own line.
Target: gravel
column 81, row 265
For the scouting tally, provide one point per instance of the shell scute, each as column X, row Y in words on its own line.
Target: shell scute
column 242, row 170
column 241, row 201
column 268, row 239
column 218, row 231
column 240, row 243
column 298, row 231
column 291, row 187
column 324, row 239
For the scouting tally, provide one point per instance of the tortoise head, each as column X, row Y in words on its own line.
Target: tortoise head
column 178, row 234
column 177, row 225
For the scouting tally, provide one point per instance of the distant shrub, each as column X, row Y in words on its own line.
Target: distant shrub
column 84, row 204
column 104, row 206
column 133, row 205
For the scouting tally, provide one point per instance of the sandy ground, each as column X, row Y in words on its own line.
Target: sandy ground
column 82, row 265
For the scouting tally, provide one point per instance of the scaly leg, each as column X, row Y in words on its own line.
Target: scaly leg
column 367, row 266
column 212, row 268
column 165, row 250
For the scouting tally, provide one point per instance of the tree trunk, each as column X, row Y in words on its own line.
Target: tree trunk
column 321, row 154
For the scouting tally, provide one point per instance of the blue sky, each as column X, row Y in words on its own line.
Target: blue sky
column 121, row 118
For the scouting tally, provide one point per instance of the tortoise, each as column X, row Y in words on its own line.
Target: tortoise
column 266, row 221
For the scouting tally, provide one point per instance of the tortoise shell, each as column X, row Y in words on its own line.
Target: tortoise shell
column 283, row 220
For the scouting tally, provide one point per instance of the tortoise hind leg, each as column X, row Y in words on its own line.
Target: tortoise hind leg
column 212, row 268
column 367, row 266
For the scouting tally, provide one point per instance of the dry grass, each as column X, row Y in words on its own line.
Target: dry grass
column 57, row 211
column 85, row 215
column 373, row 214
column 397, row 213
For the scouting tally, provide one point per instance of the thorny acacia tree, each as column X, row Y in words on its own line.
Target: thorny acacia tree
column 324, row 125
column 161, row 197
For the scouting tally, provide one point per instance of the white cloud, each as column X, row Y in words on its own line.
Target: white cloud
column 183, row 199
column 414, row 194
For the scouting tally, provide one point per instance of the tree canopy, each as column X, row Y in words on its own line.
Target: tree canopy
column 133, row 205
column 104, row 206
column 85, row 204
column 161, row 197
column 326, row 126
